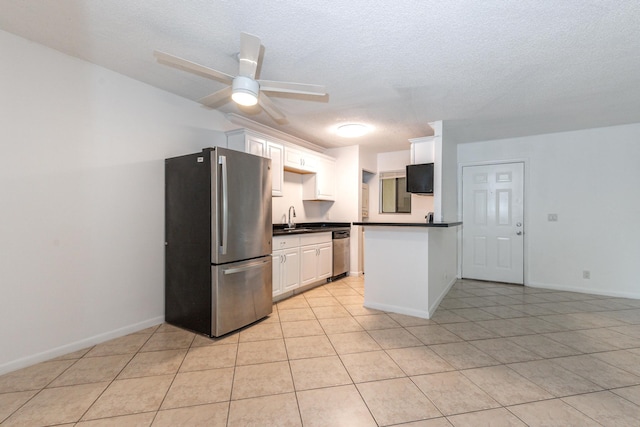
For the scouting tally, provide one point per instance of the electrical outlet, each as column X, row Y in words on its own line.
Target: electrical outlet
column 552, row 217
column 586, row 274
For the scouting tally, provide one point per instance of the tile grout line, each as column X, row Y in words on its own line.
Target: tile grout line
column 114, row 378
column 368, row 328
column 174, row 376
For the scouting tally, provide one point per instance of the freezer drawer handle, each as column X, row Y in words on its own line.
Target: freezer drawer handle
column 225, row 206
column 245, row 268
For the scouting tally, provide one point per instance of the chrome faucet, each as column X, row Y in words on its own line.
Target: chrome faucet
column 292, row 224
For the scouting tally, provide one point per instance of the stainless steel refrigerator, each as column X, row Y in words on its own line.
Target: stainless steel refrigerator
column 218, row 240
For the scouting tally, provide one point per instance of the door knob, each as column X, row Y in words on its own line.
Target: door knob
column 519, row 233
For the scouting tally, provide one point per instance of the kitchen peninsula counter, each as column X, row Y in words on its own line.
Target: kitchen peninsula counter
column 409, row 224
column 409, row 267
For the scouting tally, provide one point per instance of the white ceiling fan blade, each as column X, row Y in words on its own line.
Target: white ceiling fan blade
column 216, row 97
column 269, row 107
column 249, row 54
column 192, row 67
column 286, row 87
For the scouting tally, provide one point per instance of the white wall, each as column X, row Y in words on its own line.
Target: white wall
column 443, row 264
column 420, row 205
column 347, row 207
column 82, row 191
column 447, row 157
column 306, row 211
column 591, row 179
column 368, row 159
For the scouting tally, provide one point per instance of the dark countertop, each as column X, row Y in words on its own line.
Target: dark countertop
column 410, row 224
column 310, row 227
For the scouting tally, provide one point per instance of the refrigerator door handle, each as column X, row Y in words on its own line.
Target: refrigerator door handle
column 244, row 268
column 224, row 198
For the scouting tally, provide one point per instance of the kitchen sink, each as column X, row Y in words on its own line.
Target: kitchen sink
column 301, row 229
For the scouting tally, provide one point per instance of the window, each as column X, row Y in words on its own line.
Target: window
column 393, row 193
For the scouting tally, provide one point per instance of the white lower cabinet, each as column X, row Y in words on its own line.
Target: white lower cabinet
column 301, row 260
column 276, row 274
column 286, row 270
column 316, row 260
column 325, row 260
column 286, row 263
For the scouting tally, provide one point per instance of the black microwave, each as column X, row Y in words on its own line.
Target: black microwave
column 420, row 178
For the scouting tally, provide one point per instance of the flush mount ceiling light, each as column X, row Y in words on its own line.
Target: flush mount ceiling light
column 352, row 130
column 245, row 91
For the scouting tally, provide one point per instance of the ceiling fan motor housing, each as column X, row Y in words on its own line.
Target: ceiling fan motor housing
column 245, row 90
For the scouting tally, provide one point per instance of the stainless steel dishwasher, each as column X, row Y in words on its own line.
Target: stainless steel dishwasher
column 340, row 254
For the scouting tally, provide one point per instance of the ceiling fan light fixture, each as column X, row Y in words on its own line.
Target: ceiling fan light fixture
column 352, row 130
column 245, row 91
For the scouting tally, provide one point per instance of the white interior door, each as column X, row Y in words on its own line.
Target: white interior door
column 493, row 222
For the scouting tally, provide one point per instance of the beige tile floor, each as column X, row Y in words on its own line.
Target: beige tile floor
column 493, row 354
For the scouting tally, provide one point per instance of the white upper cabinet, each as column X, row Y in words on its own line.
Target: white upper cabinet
column 322, row 184
column 318, row 169
column 249, row 142
column 256, row 146
column 275, row 152
column 298, row 160
column 254, row 143
column 422, row 150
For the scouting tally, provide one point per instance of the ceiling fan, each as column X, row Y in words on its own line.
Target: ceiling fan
column 243, row 88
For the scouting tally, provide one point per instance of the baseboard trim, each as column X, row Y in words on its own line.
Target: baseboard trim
column 608, row 293
column 23, row 362
column 433, row 307
column 400, row 310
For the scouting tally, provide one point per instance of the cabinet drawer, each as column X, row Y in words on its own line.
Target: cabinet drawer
column 315, row 238
column 286, row 242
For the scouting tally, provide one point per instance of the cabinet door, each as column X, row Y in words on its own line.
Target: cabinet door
column 299, row 161
column 325, row 260
column 326, row 180
column 275, row 153
column 291, row 270
column 422, row 150
column 292, row 158
column 276, row 258
column 308, row 264
column 310, row 162
column 257, row 146
column 321, row 185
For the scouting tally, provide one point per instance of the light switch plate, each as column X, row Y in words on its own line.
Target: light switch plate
column 552, row 217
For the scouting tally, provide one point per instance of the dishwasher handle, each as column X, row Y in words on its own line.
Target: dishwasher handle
column 341, row 234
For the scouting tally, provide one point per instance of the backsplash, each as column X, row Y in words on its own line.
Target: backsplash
column 307, row 211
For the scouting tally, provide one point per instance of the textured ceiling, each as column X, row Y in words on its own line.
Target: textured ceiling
column 492, row 68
